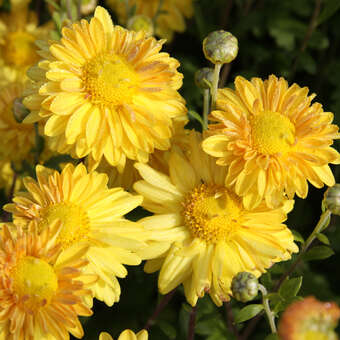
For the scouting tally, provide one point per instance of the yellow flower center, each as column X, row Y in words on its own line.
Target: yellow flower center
column 110, row 80
column 34, row 280
column 19, row 49
column 75, row 222
column 272, row 133
column 212, row 213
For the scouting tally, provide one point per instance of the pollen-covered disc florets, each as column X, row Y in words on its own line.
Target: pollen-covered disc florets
column 272, row 140
column 90, row 216
column 40, row 294
column 106, row 92
column 201, row 234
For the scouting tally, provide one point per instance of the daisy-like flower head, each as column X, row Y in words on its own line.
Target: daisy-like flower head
column 106, row 91
column 91, row 216
column 309, row 319
column 40, row 294
column 17, row 139
column 171, row 15
column 272, row 139
column 126, row 335
column 7, row 176
column 18, row 32
column 200, row 234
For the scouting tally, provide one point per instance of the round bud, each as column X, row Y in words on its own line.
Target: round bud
column 244, row 286
column 204, row 77
column 19, row 110
column 220, row 47
column 141, row 23
column 87, row 6
column 332, row 199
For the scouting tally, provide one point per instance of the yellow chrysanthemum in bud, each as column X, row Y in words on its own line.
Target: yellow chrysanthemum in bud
column 272, row 140
column 17, row 139
column 91, row 216
column 309, row 319
column 126, row 335
column 18, row 32
column 171, row 14
column 106, row 91
column 200, row 234
column 41, row 295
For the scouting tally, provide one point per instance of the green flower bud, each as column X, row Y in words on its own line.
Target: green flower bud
column 87, row 6
column 244, row 286
column 141, row 23
column 220, row 47
column 332, row 199
column 204, row 77
column 19, row 110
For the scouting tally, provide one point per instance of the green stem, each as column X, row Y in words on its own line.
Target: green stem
column 322, row 224
column 214, row 85
column 270, row 314
column 206, row 97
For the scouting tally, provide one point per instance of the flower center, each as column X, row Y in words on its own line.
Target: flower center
column 75, row 222
column 272, row 132
column 212, row 213
column 20, row 50
column 316, row 335
column 319, row 328
column 34, row 280
column 110, row 80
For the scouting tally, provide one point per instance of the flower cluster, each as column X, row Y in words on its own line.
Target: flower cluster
column 108, row 98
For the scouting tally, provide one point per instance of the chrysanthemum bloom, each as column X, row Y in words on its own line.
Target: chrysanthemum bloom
column 200, row 234
column 106, row 91
column 18, row 32
column 171, row 17
column 91, row 216
column 17, row 139
column 272, row 139
column 126, row 335
column 309, row 319
column 41, row 295
column 7, row 178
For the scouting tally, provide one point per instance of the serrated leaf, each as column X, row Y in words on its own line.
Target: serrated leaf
column 318, row 253
column 297, row 236
column 248, row 312
column 323, row 238
column 290, row 287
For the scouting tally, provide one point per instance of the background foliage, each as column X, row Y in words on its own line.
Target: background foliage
column 299, row 40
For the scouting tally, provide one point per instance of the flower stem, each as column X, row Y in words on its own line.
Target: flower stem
column 270, row 314
column 321, row 225
column 206, row 97
column 192, row 322
column 162, row 304
column 214, row 85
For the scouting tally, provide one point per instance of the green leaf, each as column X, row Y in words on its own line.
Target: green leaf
column 272, row 337
column 290, row 287
column 167, row 328
column 318, row 253
column 297, row 236
column 330, row 8
column 323, row 238
column 196, row 116
column 248, row 312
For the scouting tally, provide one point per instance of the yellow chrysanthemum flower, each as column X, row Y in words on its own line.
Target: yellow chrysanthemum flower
column 91, row 216
column 18, row 32
column 106, row 91
column 309, row 319
column 7, row 178
column 200, row 234
column 272, row 139
column 17, row 139
column 41, row 295
column 126, row 335
column 170, row 18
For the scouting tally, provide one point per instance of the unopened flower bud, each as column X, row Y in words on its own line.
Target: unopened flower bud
column 204, row 77
column 141, row 23
column 244, row 286
column 87, row 6
column 332, row 199
column 19, row 110
column 220, row 47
